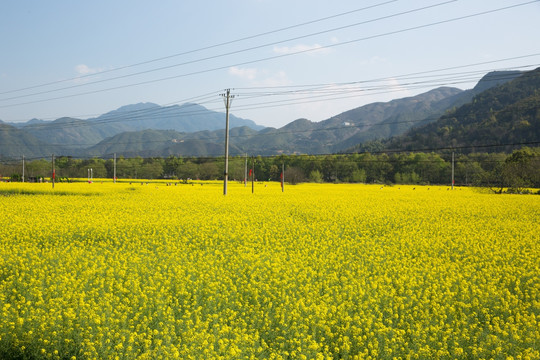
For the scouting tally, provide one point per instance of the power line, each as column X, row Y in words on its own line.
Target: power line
column 219, row 55
column 204, row 48
column 316, row 92
column 281, row 55
column 216, row 136
column 324, row 129
column 311, row 88
column 6, row 160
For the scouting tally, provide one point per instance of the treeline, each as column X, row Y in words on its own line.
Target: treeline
column 519, row 170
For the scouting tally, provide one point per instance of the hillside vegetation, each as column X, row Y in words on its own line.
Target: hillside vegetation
column 191, row 130
column 506, row 114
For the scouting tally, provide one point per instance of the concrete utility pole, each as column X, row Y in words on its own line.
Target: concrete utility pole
column 23, row 168
column 53, row 174
column 282, row 177
column 252, row 175
column 114, row 172
column 452, row 170
column 245, row 173
column 228, row 98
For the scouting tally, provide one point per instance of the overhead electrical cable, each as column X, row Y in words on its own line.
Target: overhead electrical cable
column 318, row 92
column 227, row 53
column 282, row 55
column 204, row 48
column 215, row 136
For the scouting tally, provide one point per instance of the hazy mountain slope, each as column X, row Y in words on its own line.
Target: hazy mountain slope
column 383, row 120
column 184, row 118
column 148, row 129
column 71, row 133
column 506, row 114
column 14, row 143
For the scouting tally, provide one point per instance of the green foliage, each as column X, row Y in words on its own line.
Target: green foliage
column 294, row 175
column 315, row 176
column 358, row 176
column 15, row 177
column 521, row 169
column 500, row 171
column 506, row 114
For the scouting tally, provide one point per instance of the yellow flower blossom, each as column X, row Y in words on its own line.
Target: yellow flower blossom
column 105, row 271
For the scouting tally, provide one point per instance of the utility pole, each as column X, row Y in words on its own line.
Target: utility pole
column 452, row 170
column 114, row 171
column 245, row 173
column 23, row 168
column 53, row 174
column 228, row 98
column 252, row 175
column 282, row 177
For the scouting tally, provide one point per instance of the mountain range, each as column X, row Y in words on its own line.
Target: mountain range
column 432, row 118
column 497, row 119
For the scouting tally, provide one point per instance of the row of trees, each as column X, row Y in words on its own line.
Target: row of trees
column 520, row 169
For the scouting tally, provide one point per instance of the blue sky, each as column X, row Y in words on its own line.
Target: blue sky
column 283, row 60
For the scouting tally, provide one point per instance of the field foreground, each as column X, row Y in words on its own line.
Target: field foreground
column 136, row 271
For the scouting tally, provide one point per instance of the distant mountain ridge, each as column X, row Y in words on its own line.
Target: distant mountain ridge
column 508, row 113
column 73, row 136
column 147, row 129
column 188, row 117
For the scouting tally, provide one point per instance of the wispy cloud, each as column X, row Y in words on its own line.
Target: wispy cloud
column 277, row 79
column 301, row 48
column 83, row 70
column 374, row 60
column 260, row 77
column 244, row 73
column 396, row 87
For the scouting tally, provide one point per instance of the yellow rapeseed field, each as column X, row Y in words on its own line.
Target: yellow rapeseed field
column 151, row 271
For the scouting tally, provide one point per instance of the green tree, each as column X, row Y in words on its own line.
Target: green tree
column 315, row 176
column 97, row 166
column 171, row 166
column 294, row 175
column 39, row 169
column 358, row 176
column 275, row 172
column 209, row 171
column 522, row 169
column 188, row 170
column 151, row 170
column 345, row 168
column 468, row 171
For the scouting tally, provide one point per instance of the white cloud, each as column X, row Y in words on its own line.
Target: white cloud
column 300, row 48
column 374, row 60
column 277, row 79
column 260, row 77
column 247, row 73
column 83, row 69
column 395, row 86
